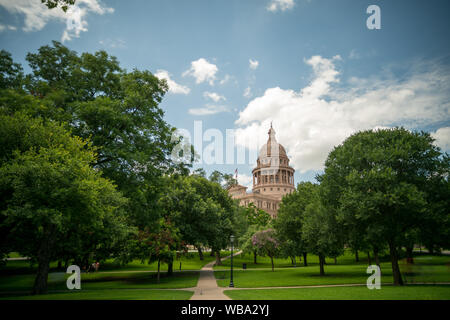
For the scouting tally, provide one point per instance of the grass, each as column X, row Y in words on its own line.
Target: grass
column 126, row 294
column 17, row 278
column 189, row 261
column 104, row 280
column 425, row 269
column 264, row 262
column 413, row 292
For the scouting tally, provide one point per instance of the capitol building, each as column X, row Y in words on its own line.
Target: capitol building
column 272, row 178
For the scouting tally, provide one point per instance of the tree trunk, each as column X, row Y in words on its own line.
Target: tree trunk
column 295, row 261
column 321, row 263
column 218, row 261
column 40, row 283
column 368, row 258
column 409, row 255
column 254, row 257
column 43, row 258
column 305, row 263
column 398, row 281
column 159, row 268
column 170, row 268
column 59, row 265
column 271, row 260
column 335, row 260
column 356, row 255
column 377, row 258
column 200, row 253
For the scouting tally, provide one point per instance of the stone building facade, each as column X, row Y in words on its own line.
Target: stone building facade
column 272, row 178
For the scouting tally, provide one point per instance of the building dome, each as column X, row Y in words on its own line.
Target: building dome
column 272, row 148
column 273, row 175
column 273, row 178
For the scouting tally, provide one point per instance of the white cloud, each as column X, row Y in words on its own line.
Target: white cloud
column 37, row 15
column 7, row 27
column 253, row 64
column 202, row 71
column 311, row 121
column 225, row 79
column 280, row 5
column 113, row 43
column 208, row 110
column 245, row 180
column 214, row 96
column 247, row 92
column 174, row 87
column 442, row 137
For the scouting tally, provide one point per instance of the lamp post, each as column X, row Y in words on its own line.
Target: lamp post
column 231, row 278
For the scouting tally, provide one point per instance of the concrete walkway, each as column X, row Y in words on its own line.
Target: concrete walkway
column 207, row 288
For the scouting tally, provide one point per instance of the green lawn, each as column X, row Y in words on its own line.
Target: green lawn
column 126, row 294
column 264, row 262
column 104, row 280
column 413, row 292
column 425, row 269
column 189, row 261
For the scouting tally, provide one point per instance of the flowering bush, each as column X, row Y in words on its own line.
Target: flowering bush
column 266, row 243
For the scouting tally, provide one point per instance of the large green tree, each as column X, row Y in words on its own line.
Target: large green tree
column 321, row 232
column 289, row 220
column 378, row 183
column 94, row 98
column 51, row 195
column 202, row 210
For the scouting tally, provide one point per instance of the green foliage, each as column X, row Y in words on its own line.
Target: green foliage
column 202, row 210
column 11, row 75
column 266, row 244
column 289, row 221
column 53, row 201
column 64, row 4
column 321, row 231
column 378, row 183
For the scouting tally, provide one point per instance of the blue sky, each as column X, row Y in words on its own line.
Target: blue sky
column 318, row 72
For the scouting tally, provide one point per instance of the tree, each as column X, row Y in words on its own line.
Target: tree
column 159, row 245
column 321, row 232
column 119, row 111
column 253, row 220
column 289, row 220
column 266, row 243
column 202, row 210
column 51, row 196
column 377, row 181
column 11, row 75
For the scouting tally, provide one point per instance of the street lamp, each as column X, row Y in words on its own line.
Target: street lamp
column 231, row 279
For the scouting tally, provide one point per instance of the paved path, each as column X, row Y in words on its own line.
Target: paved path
column 207, row 288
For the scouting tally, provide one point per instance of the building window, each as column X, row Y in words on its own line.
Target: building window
column 271, row 189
